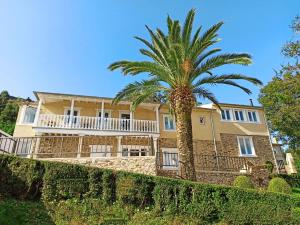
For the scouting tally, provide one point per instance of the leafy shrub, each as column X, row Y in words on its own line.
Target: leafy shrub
column 278, row 184
column 269, row 166
column 243, row 182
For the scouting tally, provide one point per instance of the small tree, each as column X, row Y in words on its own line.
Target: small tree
column 278, row 184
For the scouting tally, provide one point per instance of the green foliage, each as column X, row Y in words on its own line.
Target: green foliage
column 82, row 195
column 292, row 48
column 243, row 182
column 8, row 112
column 293, row 180
column 269, row 166
column 13, row 212
column 180, row 58
column 279, row 185
column 281, row 101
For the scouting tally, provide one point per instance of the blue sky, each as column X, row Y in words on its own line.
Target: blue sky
column 66, row 46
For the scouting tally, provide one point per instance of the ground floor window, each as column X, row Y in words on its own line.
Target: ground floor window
column 134, row 150
column 170, row 158
column 100, row 150
column 246, row 146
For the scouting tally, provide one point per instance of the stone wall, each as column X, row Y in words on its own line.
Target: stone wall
column 144, row 165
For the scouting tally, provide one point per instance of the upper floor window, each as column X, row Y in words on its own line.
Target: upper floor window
column 202, row 120
column 169, row 122
column 252, row 116
column 29, row 115
column 239, row 115
column 246, row 146
column 226, row 115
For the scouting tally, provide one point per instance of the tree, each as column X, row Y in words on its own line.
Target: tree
column 181, row 67
column 281, row 96
column 281, row 101
column 292, row 48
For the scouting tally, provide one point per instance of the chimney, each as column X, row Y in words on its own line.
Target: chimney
column 251, row 102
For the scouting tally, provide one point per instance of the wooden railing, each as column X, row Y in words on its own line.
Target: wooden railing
column 96, row 123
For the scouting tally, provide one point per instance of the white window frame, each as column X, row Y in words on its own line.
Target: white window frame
column 170, row 150
column 257, row 116
column 230, row 114
column 244, row 115
column 101, row 147
column 251, row 144
column 23, row 112
column 135, row 147
column 174, row 124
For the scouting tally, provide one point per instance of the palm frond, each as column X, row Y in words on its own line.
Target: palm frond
column 187, row 28
column 201, row 92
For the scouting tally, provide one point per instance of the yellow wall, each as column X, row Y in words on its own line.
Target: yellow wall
column 204, row 131
column 200, row 131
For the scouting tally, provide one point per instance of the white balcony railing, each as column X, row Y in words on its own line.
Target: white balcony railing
column 95, row 123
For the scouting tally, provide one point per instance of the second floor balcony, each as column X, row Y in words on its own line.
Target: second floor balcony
column 96, row 123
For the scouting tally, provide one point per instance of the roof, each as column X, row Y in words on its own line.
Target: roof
column 210, row 106
column 40, row 94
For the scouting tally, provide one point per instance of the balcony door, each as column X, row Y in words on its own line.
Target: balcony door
column 106, row 121
column 75, row 116
column 125, row 121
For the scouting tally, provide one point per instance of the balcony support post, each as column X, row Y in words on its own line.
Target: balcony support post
column 157, row 118
column 102, row 114
column 37, row 114
column 71, row 113
column 155, row 149
column 131, row 118
column 80, row 141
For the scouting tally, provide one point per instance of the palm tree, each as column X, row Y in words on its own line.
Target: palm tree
column 181, row 67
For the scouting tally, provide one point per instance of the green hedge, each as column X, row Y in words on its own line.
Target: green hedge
column 210, row 203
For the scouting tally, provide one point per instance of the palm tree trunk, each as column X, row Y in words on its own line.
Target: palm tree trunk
column 182, row 104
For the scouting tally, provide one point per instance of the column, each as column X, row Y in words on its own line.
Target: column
column 157, row 118
column 155, row 149
column 37, row 114
column 80, row 139
column 71, row 113
column 102, row 114
column 131, row 120
column 36, row 149
column 119, row 146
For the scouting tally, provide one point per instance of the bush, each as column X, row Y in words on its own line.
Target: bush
column 243, row 182
column 164, row 196
column 279, row 185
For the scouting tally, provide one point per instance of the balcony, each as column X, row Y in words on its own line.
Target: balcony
column 96, row 123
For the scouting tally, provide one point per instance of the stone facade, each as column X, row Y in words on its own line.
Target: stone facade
column 144, row 165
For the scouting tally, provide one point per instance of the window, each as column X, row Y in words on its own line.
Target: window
column 134, row 150
column 169, row 122
column 170, row 158
column 246, row 146
column 75, row 116
column 202, row 120
column 29, row 115
column 239, row 115
column 252, row 116
column 100, row 150
column 225, row 113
